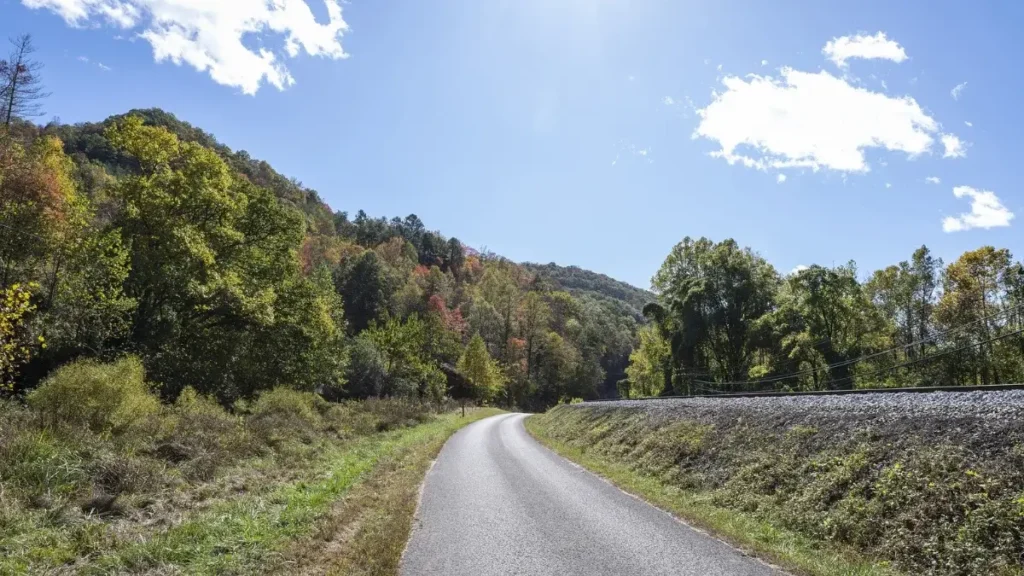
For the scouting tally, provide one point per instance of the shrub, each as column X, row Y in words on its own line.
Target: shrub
column 37, row 463
column 282, row 413
column 103, row 397
column 201, row 435
column 304, row 407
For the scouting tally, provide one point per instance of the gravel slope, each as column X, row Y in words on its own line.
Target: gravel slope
column 985, row 421
column 496, row 502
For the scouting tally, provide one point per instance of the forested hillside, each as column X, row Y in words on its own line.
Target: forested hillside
column 143, row 235
column 582, row 282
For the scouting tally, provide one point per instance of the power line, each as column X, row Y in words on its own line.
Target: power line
column 912, row 362
column 931, row 356
column 868, row 356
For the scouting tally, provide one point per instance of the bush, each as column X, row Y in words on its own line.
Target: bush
column 283, row 413
column 202, row 436
column 102, row 397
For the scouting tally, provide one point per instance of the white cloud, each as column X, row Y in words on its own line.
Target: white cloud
column 986, row 211
column 968, row 124
column 83, row 59
column 810, row 120
column 668, row 101
column 798, row 269
column 104, row 67
column 780, row 178
column 933, row 180
column 954, row 147
column 839, row 50
column 719, row 67
column 764, row 62
column 957, row 90
column 208, row 34
column 888, row 185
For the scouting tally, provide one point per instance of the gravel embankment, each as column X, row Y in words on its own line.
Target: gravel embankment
column 980, row 419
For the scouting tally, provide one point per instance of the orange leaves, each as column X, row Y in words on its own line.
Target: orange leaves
column 36, row 181
column 451, row 319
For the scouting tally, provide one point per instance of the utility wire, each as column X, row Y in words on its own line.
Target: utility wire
column 869, row 356
column 931, row 356
column 911, row 362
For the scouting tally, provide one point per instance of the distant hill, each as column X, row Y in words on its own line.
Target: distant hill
column 86, row 141
column 578, row 281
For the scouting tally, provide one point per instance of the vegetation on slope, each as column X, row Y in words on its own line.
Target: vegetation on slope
column 819, row 490
column 582, row 282
column 99, row 477
column 144, row 235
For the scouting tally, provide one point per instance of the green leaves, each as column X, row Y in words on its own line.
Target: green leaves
column 481, row 370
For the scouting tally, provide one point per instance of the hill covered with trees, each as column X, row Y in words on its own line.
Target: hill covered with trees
column 143, row 235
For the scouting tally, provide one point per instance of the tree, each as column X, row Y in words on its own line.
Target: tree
column 15, row 344
column 366, row 375
column 904, row 294
column 21, row 90
column 713, row 296
column 647, row 363
column 365, row 289
column 409, row 369
column 532, row 320
column 556, row 361
column 455, row 257
column 481, row 371
column 825, row 310
column 978, row 287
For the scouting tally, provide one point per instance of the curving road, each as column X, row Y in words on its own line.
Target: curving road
column 497, row 502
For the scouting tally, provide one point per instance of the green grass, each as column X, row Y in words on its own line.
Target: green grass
column 787, row 549
column 364, row 534
column 243, row 535
column 249, row 519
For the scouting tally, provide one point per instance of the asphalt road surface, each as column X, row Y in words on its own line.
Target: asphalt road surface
column 496, row 502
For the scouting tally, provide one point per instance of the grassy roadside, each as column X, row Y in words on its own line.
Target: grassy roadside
column 259, row 533
column 108, row 479
column 784, row 548
column 365, row 532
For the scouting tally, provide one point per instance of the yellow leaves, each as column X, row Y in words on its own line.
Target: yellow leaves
column 15, row 306
column 151, row 146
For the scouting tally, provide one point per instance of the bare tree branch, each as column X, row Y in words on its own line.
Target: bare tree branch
column 21, row 89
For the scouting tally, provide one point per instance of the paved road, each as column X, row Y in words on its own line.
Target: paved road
column 497, row 502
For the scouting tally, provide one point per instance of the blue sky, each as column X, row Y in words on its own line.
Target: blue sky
column 585, row 131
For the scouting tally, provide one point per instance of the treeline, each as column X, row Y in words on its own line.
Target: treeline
column 142, row 235
column 727, row 321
